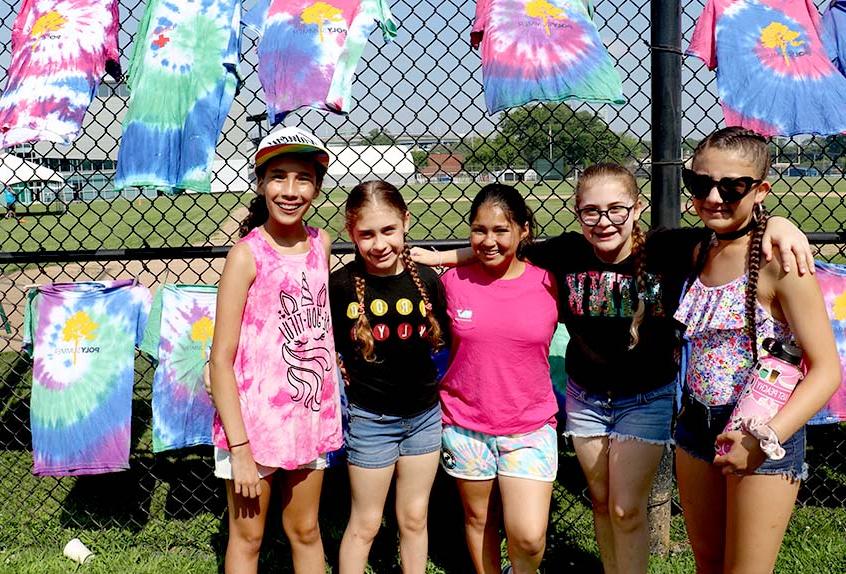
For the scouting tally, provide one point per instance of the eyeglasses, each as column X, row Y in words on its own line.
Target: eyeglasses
column 616, row 214
column 731, row 189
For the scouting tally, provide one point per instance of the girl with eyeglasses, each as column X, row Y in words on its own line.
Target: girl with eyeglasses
column 737, row 506
column 618, row 288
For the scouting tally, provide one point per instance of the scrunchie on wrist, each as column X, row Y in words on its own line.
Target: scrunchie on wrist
column 766, row 436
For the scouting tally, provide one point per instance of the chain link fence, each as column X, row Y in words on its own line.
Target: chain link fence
column 420, row 97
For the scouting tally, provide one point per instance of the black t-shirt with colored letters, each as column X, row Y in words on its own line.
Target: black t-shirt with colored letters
column 403, row 380
column 597, row 301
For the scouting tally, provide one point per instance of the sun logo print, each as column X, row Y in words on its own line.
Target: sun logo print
column 779, row 37
column 47, row 24
column 202, row 331
column 78, row 327
column 544, row 10
column 321, row 12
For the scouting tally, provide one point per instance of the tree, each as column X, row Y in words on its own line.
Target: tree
column 420, row 157
column 320, row 12
column 555, row 132
column 377, row 137
column 202, row 331
column 78, row 327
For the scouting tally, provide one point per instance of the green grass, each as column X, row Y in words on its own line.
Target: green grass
column 439, row 212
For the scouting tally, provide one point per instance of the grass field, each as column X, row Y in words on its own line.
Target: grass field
column 439, row 211
column 164, row 515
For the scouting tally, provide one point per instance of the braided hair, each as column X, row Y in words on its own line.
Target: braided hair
column 638, row 247
column 754, row 147
column 366, row 193
column 257, row 213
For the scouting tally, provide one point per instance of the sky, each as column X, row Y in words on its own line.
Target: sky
column 429, row 79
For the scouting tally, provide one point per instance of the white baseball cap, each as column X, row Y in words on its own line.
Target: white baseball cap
column 291, row 140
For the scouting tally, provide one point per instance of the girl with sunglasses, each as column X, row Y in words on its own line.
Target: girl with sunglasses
column 737, row 506
column 617, row 290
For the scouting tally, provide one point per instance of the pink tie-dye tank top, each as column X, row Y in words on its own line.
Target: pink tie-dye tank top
column 285, row 363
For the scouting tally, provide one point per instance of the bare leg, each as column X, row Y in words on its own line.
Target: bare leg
column 246, row 528
column 369, row 489
column 631, row 467
column 702, row 490
column 301, row 500
column 482, row 515
column 758, row 511
column 593, row 458
column 525, row 505
column 415, row 476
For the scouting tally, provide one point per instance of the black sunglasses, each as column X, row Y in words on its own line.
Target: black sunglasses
column 731, row 189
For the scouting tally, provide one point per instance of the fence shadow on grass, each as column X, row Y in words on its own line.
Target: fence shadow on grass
column 120, row 500
column 14, row 401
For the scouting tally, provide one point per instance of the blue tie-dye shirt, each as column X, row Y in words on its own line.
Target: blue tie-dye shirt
column 178, row 337
column 182, row 81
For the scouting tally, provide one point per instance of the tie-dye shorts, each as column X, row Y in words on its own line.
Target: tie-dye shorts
column 471, row 455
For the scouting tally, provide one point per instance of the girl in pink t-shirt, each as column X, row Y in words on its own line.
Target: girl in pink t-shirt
column 272, row 367
column 499, row 437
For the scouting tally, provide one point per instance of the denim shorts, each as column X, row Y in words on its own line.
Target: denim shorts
column 698, row 426
column 473, row 455
column 376, row 440
column 647, row 417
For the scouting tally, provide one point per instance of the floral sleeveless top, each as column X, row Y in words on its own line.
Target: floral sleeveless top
column 720, row 359
column 285, row 363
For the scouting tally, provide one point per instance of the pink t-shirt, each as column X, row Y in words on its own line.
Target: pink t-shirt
column 498, row 380
column 285, row 363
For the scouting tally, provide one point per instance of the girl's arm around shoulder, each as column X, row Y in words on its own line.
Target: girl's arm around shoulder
column 239, row 272
column 801, row 301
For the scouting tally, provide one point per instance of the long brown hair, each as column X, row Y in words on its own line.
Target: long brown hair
column 627, row 178
column 753, row 146
column 382, row 192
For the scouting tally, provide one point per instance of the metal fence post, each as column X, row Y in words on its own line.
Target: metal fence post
column 666, row 63
column 666, row 174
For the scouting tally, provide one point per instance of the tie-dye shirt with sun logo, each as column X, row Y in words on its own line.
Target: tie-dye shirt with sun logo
column 60, row 51
column 773, row 73
column 178, row 337
column 544, row 51
column 832, row 281
column 82, row 338
column 182, row 80
column 308, row 51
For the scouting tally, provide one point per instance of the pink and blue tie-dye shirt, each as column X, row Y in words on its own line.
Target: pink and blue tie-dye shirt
column 773, row 73
column 60, row 50
column 308, row 50
column 542, row 50
column 285, row 365
column 832, row 280
column 178, row 337
column 82, row 339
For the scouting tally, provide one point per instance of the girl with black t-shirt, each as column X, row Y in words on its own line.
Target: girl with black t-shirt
column 618, row 288
column 388, row 317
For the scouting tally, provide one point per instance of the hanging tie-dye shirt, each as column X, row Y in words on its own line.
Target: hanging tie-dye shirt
column 773, row 73
column 308, row 50
column 285, row 363
column 178, row 336
column 82, row 338
column 60, row 50
column 834, row 33
column 182, row 80
column 542, row 50
column 832, row 280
